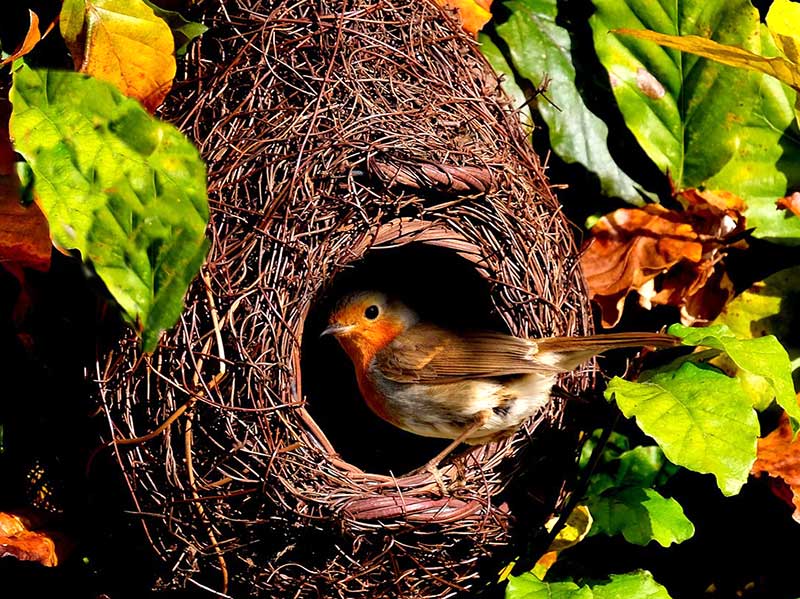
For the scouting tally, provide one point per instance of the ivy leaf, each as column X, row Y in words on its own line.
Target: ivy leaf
column 122, row 42
column 540, row 48
column 641, row 515
column 762, row 356
column 700, row 418
column 123, row 188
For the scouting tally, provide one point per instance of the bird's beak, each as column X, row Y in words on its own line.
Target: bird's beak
column 337, row 329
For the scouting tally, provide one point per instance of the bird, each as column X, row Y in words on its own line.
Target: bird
column 471, row 386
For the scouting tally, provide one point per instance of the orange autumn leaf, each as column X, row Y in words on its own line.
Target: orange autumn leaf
column 16, row 540
column 474, row 14
column 779, row 457
column 667, row 257
column 122, row 42
column 790, row 203
column 24, row 232
column 32, row 37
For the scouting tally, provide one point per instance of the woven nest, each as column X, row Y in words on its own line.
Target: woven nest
column 349, row 143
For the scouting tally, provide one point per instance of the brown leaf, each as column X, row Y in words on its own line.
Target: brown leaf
column 32, row 38
column 24, row 232
column 779, row 457
column 667, row 256
column 16, row 540
column 791, row 203
column 474, row 14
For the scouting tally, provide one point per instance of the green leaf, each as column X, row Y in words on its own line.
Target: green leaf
column 70, row 22
column 679, row 107
column 540, row 48
column 768, row 307
column 183, row 30
column 635, row 585
column 767, row 161
column 123, row 188
column 701, row 419
column 681, row 110
column 642, row 466
column 527, row 586
column 762, row 357
column 641, row 515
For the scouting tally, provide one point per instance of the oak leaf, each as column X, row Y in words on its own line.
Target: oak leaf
column 668, row 257
column 474, row 14
column 779, row 457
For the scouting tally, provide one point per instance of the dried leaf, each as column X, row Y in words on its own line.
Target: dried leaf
column 474, row 13
column 668, row 257
column 16, row 540
column 779, row 457
column 122, row 42
column 779, row 67
column 31, row 39
column 24, row 233
column 791, row 203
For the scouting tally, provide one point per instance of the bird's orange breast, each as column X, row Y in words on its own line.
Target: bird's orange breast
column 362, row 346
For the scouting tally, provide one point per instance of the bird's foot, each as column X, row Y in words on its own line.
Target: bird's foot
column 437, row 476
column 432, row 468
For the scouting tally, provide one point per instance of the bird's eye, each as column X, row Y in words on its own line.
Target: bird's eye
column 371, row 312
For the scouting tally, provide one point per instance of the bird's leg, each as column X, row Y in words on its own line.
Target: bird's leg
column 432, row 466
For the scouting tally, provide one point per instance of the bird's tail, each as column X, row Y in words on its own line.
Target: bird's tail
column 570, row 352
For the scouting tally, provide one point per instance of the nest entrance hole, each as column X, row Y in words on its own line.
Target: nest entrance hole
column 442, row 287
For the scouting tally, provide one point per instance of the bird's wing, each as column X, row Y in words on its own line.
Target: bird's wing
column 428, row 354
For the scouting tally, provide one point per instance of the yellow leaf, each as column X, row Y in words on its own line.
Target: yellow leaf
column 779, row 67
column 122, row 42
column 575, row 529
column 474, row 13
column 783, row 22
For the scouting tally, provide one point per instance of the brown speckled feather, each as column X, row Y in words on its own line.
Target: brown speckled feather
column 427, row 354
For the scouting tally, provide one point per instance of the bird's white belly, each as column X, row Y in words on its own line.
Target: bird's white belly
column 445, row 410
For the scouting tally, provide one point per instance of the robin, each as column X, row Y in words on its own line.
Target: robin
column 469, row 386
